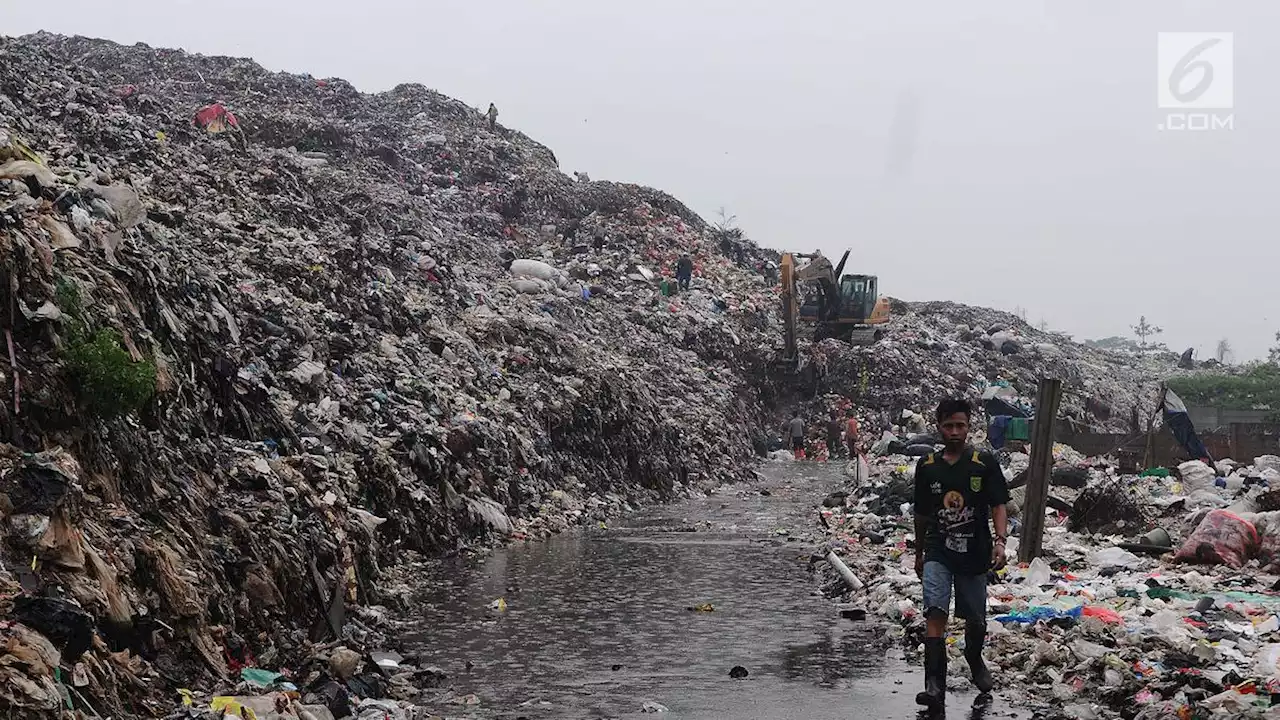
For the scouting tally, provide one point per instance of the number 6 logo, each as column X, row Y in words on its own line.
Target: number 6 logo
column 1195, row 70
column 1189, row 64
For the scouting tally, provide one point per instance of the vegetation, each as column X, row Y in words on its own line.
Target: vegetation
column 108, row 382
column 1145, row 330
column 1258, row 385
column 1115, row 342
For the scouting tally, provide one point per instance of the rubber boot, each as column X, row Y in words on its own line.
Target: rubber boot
column 935, row 674
column 975, row 635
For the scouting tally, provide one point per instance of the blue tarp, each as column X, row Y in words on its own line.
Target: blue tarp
column 996, row 429
column 1179, row 422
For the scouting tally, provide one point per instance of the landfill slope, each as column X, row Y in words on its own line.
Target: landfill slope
column 945, row 349
column 315, row 357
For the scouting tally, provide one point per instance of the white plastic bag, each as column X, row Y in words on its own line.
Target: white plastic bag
column 1114, row 557
column 1038, row 573
column 1266, row 663
column 1196, row 476
column 1263, row 463
column 859, row 470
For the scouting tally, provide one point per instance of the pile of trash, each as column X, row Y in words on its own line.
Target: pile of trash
column 933, row 350
column 1172, row 611
column 267, row 335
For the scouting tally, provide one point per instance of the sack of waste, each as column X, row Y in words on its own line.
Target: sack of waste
column 1196, row 476
column 1221, row 538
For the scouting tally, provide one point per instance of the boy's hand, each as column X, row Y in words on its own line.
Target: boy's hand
column 998, row 560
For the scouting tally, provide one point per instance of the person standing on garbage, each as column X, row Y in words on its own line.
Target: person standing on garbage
column 956, row 492
column 492, row 114
column 851, row 435
column 834, row 428
column 684, row 271
column 795, row 429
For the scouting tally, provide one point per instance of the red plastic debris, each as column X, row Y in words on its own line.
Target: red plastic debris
column 215, row 118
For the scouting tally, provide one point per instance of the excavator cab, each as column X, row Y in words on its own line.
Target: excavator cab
column 858, row 296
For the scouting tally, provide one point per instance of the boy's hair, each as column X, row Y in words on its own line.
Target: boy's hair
column 951, row 406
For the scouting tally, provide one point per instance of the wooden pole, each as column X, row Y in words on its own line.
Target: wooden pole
column 1040, row 470
column 1149, row 459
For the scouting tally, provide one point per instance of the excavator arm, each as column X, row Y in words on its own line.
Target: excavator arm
column 820, row 272
column 790, row 308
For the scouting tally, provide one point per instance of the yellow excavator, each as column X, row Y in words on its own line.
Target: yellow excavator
column 848, row 307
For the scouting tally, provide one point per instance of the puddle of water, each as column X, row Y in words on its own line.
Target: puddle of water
column 597, row 625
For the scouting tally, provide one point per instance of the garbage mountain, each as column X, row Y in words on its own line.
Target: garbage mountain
column 268, row 336
column 946, row 349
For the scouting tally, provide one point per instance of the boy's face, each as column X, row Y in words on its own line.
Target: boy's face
column 955, row 430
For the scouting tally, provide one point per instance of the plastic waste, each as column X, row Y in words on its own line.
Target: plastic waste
column 1196, row 476
column 1222, row 537
column 1038, row 573
column 1165, row 593
column 1039, row 613
column 1115, row 557
column 258, row 677
column 1103, row 613
column 1266, row 662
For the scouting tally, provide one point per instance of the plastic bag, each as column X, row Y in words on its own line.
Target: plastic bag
column 1262, row 463
column 859, row 470
column 1221, row 538
column 1196, row 476
column 1037, row 613
column 1103, row 613
column 1115, row 557
column 1038, row 573
column 1267, row 662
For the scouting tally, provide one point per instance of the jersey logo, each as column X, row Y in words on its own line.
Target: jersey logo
column 976, row 460
column 975, row 483
column 953, row 501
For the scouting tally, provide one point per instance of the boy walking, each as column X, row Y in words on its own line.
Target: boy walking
column 956, row 492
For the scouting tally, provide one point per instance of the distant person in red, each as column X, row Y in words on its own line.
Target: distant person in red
column 851, row 436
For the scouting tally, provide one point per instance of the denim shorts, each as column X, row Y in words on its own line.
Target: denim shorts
column 971, row 592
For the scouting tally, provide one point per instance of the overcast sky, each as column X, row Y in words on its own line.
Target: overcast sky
column 1002, row 153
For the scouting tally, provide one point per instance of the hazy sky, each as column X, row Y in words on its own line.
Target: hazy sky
column 1003, row 153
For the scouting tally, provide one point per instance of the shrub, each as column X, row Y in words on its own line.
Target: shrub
column 109, row 382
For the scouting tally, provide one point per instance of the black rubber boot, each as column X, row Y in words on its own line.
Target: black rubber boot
column 975, row 636
column 935, row 674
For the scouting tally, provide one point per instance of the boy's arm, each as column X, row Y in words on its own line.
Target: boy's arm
column 920, row 509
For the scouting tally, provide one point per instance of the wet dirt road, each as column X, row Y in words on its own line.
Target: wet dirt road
column 598, row 622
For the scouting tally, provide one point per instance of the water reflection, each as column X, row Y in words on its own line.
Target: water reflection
column 598, row 623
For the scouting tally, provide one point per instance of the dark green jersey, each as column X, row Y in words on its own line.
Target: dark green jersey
column 955, row 499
